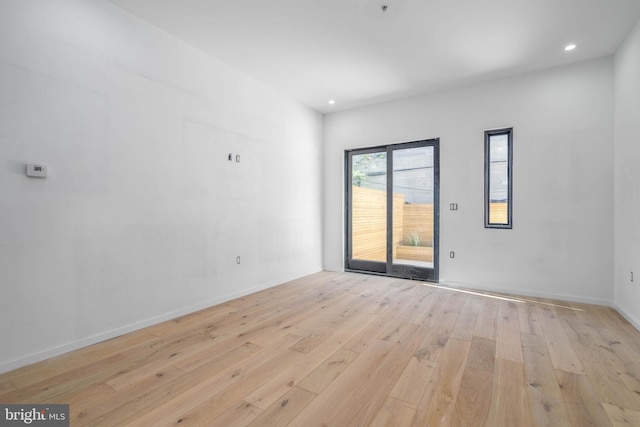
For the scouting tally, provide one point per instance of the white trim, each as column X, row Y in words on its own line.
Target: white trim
column 56, row 351
column 85, row 342
column 634, row 322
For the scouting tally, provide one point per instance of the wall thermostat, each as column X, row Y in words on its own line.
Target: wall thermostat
column 36, row 171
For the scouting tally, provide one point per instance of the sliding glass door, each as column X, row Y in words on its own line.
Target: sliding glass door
column 392, row 210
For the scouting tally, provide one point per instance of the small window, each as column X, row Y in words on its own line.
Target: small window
column 498, row 183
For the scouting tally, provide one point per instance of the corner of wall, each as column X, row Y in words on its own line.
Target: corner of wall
column 627, row 177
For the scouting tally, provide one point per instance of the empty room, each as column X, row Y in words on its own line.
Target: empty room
column 320, row 213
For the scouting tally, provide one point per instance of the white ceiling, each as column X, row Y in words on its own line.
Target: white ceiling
column 353, row 52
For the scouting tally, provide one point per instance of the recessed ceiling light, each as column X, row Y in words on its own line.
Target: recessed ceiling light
column 331, row 101
column 570, row 47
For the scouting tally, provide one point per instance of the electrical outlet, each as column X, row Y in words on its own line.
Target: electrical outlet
column 452, row 254
column 238, row 260
column 453, row 206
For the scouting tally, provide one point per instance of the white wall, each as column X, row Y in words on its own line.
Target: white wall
column 627, row 177
column 142, row 215
column 561, row 244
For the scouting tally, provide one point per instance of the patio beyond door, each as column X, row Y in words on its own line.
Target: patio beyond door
column 392, row 203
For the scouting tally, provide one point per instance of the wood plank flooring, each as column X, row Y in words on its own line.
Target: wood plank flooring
column 345, row 349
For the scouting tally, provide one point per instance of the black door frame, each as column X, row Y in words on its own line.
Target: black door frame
column 388, row 268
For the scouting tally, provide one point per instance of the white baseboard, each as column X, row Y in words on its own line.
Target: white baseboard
column 84, row 342
column 630, row 319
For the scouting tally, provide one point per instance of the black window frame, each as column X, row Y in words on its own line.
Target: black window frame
column 487, row 178
column 388, row 268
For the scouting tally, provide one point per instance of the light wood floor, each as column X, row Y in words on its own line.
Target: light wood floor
column 344, row 349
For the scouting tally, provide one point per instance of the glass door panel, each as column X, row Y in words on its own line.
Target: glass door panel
column 413, row 206
column 369, row 206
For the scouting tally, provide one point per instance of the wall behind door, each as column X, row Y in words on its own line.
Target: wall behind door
column 561, row 244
